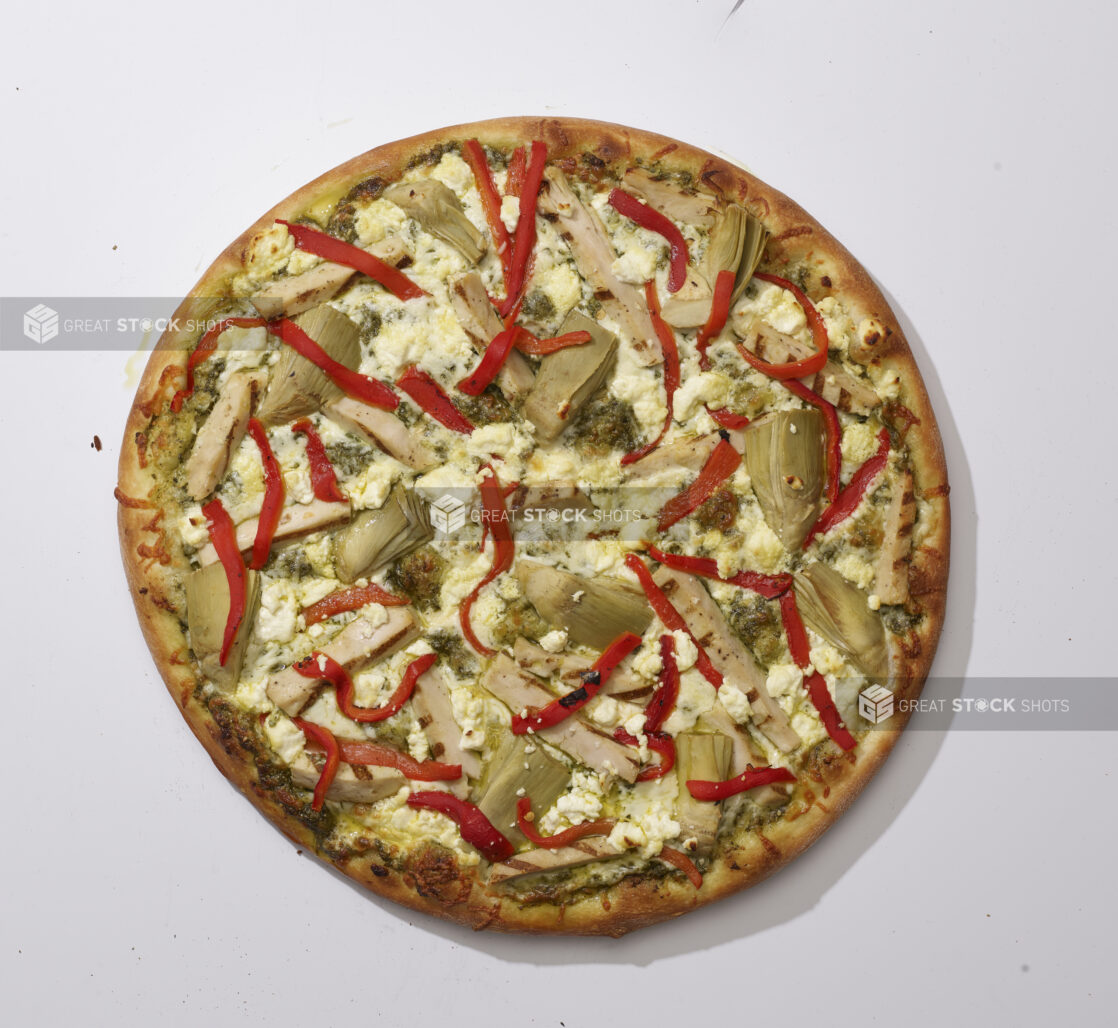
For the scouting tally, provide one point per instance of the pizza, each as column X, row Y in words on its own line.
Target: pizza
column 543, row 521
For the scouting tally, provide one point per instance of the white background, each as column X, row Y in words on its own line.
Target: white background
column 964, row 152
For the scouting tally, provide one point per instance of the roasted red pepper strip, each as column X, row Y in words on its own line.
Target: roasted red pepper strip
column 564, row 706
column 311, row 240
column 657, row 742
column 719, row 312
column 202, row 352
column 525, row 228
column 807, row 365
column 720, row 465
column 815, row 684
column 667, row 691
column 498, row 524
column 769, row 586
column 426, row 392
column 834, row 434
column 518, row 167
column 750, row 778
column 324, row 481
column 569, row 837
column 727, row 418
column 375, row 755
column 320, row 666
column 274, row 493
column 224, row 538
column 671, row 617
column 325, row 739
column 474, row 156
column 527, row 343
column 671, row 371
column 351, row 599
column 855, row 490
column 496, row 353
column 352, row 383
column 651, row 219
column 684, row 863
column 474, row 826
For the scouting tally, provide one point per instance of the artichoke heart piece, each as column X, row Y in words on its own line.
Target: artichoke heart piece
column 593, row 612
column 375, row 538
column 207, row 610
column 736, row 243
column 437, row 209
column 521, row 768
column 569, row 377
column 298, row 388
column 840, row 613
column 784, row 457
column 705, row 758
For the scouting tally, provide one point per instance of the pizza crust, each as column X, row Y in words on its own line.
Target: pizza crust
column 430, row 880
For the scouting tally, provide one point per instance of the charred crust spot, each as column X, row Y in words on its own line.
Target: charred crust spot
column 433, row 873
column 937, row 490
column 378, row 870
column 825, row 281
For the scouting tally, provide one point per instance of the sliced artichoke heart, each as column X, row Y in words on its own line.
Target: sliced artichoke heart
column 296, row 387
column 569, row 377
column 701, row 757
column 839, row 612
column 375, row 538
column 521, row 767
column 438, row 210
column 207, row 610
column 784, row 457
column 593, row 612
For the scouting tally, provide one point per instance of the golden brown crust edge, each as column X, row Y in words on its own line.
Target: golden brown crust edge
column 429, row 884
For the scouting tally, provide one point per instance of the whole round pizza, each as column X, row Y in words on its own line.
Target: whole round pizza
column 542, row 520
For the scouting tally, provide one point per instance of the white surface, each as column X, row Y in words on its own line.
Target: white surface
column 964, row 152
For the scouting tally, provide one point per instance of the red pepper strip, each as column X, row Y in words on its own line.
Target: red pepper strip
column 684, row 863
column 518, row 166
column 351, row 599
column 475, row 827
column 671, row 371
column 667, row 691
column 325, row 739
column 727, row 418
column 320, row 666
column 426, row 392
column 816, row 684
column 273, row 497
column 324, row 481
column 311, row 240
column 647, row 217
column 525, row 228
column 376, row 755
column 807, row 365
column 352, row 383
column 568, row 837
column 769, row 586
column 720, row 465
column 798, row 644
column 206, row 346
column 658, row 742
column 533, row 347
column 671, row 617
column 852, row 495
column 834, row 434
column 474, row 156
column 497, row 522
column 496, row 353
column 224, row 537
column 719, row 312
column 564, row 706
column 750, row 778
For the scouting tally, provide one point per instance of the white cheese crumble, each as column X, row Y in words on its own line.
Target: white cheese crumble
column 555, row 641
